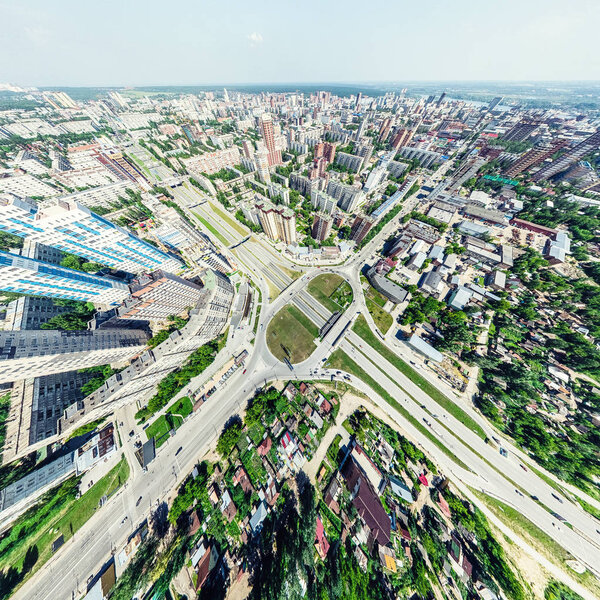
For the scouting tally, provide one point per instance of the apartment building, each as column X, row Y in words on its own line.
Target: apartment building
column 278, row 223
column 213, row 162
column 157, row 295
column 25, row 354
column 71, row 227
column 28, row 276
column 321, row 227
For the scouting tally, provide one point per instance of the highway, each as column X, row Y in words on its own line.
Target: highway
column 64, row 576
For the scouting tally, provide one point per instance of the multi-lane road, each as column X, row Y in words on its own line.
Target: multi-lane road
column 281, row 281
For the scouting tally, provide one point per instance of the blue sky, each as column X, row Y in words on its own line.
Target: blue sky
column 178, row 42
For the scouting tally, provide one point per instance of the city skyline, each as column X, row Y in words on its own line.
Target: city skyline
column 526, row 41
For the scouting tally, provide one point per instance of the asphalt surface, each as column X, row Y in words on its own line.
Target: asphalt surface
column 64, row 576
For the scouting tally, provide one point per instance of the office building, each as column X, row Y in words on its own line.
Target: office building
column 588, row 145
column 361, row 226
column 71, row 227
column 27, row 276
column 157, row 295
column 268, row 134
column 321, row 227
column 25, row 354
column 278, row 222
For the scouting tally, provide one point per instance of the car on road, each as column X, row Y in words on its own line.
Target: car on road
column 535, row 498
column 131, row 433
column 179, row 450
column 523, row 466
column 503, row 452
column 244, row 371
column 557, row 497
column 138, row 501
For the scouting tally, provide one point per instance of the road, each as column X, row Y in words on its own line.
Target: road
column 281, row 281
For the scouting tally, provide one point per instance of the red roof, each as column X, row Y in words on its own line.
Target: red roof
column 321, row 541
column 264, row 447
column 367, row 502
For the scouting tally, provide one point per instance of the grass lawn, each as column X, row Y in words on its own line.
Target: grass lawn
column 340, row 360
column 290, row 272
column 372, row 294
column 28, row 543
column 211, row 229
column 159, row 430
column 291, row 329
column 382, row 319
column 235, row 225
column 361, row 327
column 182, row 407
column 540, row 540
column 331, row 290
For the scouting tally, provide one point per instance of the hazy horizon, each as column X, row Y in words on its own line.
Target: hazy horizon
column 75, row 44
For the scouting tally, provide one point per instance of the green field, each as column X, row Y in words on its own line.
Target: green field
column 292, row 330
column 331, row 290
column 27, row 545
column 383, row 320
column 361, row 327
column 340, row 360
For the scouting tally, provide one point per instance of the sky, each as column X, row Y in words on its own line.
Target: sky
column 195, row 42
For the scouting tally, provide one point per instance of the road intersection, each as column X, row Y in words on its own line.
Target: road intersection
column 503, row 478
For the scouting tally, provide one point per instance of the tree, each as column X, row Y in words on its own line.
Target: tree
column 229, row 436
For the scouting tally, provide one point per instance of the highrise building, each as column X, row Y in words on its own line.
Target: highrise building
column 71, row 227
column 588, row 145
column 278, row 222
column 521, row 131
column 329, row 152
column 361, row 226
column 358, row 99
column 268, row 134
column 348, row 197
column 262, row 166
column 25, row 354
column 495, row 101
column 37, row 278
column 247, row 148
column 534, row 157
column 31, row 312
column 321, row 227
column 384, row 130
column 157, row 295
column 139, row 380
